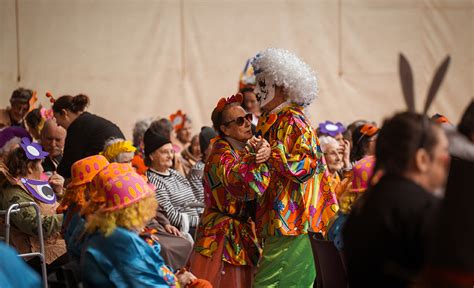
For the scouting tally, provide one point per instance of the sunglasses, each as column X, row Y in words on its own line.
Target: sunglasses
column 240, row 120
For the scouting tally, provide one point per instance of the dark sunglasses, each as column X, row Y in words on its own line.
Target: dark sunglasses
column 240, row 120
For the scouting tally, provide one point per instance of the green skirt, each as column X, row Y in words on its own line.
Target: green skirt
column 287, row 262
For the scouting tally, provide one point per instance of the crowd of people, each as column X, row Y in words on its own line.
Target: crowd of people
column 232, row 206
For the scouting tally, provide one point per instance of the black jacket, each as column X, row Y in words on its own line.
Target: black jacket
column 86, row 136
column 386, row 237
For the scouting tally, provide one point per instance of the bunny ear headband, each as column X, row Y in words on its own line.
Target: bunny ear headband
column 406, row 77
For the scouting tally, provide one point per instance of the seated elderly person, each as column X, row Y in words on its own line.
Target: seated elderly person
column 336, row 163
column 20, row 181
column 173, row 191
column 52, row 139
column 20, row 105
column 164, row 128
column 175, row 249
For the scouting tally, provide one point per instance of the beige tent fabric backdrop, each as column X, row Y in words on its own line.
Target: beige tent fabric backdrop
column 142, row 58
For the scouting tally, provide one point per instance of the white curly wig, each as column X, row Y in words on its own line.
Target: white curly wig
column 289, row 72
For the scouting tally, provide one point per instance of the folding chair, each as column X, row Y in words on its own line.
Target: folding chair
column 15, row 208
column 330, row 272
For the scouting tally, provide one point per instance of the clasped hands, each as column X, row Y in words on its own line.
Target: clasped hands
column 261, row 147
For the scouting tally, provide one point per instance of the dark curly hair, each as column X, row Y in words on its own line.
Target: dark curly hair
column 17, row 162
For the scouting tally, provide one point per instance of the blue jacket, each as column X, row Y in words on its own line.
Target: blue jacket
column 123, row 259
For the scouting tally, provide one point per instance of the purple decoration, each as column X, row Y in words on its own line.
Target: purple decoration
column 331, row 129
column 11, row 132
column 41, row 190
column 293, row 206
column 33, row 150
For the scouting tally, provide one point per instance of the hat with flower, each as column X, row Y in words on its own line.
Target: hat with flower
column 178, row 119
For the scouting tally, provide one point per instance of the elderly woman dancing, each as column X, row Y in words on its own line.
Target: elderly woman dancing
column 227, row 249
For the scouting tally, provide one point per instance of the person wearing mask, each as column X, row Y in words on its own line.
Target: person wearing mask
column 20, row 181
column 298, row 197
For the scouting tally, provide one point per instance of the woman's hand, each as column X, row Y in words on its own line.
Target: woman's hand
column 57, row 183
column 185, row 277
column 263, row 152
column 346, row 154
column 254, row 142
column 173, row 230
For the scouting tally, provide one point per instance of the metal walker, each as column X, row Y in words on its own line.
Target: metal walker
column 15, row 208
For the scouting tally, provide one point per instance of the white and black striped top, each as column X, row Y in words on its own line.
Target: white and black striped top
column 174, row 193
column 195, row 179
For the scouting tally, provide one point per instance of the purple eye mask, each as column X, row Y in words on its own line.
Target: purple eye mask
column 41, row 190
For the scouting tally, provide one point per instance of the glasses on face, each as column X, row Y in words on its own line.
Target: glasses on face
column 334, row 154
column 240, row 120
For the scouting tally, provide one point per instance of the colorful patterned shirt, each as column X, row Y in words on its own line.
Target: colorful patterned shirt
column 231, row 179
column 299, row 196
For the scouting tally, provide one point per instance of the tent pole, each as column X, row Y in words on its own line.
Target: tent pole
column 17, row 20
column 339, row 36
column 183, row 40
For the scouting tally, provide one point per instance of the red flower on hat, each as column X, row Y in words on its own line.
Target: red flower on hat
column 237, row 98
column 177, row 120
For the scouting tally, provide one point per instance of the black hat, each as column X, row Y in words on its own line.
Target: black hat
column 205, row 136
column 153, row 141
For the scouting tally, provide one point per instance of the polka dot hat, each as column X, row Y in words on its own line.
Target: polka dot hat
column 123, row 190
column 84, row 170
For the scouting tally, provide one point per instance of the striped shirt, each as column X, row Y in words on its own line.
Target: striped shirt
column 173, row 193
column 195, row 179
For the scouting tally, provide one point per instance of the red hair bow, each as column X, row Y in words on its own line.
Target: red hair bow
column 237, row 98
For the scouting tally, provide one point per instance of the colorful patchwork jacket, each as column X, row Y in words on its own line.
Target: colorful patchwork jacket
column 299, row 197
column 231, row 180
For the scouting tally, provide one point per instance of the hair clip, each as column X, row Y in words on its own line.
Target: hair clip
column 369, row 130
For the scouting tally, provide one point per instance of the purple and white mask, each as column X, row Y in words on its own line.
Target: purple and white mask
column 41, row 190
column 33, row 150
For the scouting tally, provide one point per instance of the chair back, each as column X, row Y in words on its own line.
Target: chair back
column 330, row 272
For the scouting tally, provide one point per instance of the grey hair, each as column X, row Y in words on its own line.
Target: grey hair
column 326, row 141
column 139, row 130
